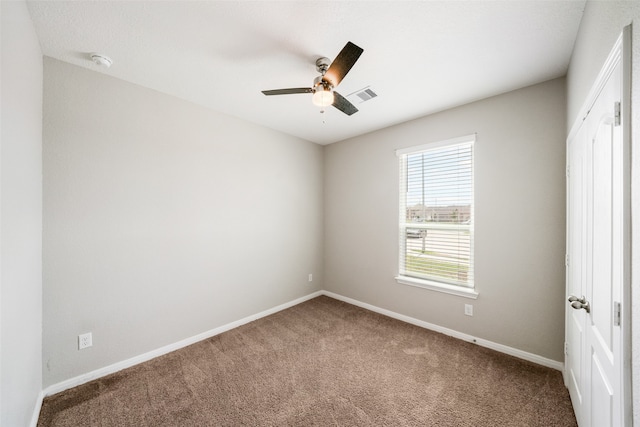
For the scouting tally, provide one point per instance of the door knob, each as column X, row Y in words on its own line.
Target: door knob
column 579, row 303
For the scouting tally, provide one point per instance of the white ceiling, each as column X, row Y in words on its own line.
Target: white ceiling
column 419, row 56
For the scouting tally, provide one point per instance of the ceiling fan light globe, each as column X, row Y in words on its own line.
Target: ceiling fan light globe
column 323, row 98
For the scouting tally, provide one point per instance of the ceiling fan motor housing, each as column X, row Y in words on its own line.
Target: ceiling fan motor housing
column 319, row 84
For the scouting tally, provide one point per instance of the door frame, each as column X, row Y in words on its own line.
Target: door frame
column 621, row 52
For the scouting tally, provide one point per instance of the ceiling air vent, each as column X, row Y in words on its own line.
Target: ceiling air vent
column 362, row 95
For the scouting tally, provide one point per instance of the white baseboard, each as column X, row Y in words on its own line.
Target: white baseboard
column 36, row 410
column 446, row 331
column 98, row 373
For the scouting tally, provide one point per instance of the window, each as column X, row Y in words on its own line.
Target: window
column 436, row 216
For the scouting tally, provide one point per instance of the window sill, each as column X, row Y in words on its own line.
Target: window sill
column 438, row 287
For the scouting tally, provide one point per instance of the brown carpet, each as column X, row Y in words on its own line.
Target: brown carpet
column 321, row 363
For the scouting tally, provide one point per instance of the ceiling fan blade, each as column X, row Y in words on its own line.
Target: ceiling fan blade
column 342, row 64
column 341, row 103
column 288, row 91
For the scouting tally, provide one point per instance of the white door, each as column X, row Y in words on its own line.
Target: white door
column 596, row 239
column 578, row 166
column 604, row 284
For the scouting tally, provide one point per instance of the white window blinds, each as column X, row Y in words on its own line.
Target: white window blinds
column 436, row 212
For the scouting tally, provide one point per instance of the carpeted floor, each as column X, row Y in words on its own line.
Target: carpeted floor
column 321, row 363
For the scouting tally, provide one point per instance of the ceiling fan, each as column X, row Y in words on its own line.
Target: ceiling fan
column 331, row 74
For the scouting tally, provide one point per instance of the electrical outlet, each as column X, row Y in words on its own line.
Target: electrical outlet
column 468, row 309
column 310, row 277
column 85, row 340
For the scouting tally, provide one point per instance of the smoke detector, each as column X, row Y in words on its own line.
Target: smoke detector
column 101, row 60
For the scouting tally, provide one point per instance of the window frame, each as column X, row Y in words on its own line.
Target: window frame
column 432, row 283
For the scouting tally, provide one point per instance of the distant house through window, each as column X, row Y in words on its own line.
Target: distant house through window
column 436, row 216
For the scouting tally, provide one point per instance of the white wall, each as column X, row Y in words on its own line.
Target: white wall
column 520, row 219
column 601, row 25
column 163, row 219
column 20, row 217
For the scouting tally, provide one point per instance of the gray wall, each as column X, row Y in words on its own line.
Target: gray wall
column 601, row 25
column 163, row 219
column 520, row 219
column 20, row 217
